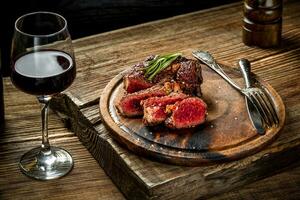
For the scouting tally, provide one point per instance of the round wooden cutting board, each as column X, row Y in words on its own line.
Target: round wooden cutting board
column 226, row 135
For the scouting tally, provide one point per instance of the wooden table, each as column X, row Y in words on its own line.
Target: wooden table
column 102, row 56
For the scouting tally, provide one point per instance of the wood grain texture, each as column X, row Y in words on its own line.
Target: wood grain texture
column 103, row 56
column 22, row 132
column 87, row 180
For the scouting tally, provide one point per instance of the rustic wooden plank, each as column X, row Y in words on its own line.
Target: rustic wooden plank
column 279, row 188
column 93, row 181
column 103, row 56
column 22, row 133
column 155, row 175
column 94, row 184
column 94, row 55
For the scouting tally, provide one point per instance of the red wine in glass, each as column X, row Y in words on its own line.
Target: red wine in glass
column 43, row 64
column 43, row 72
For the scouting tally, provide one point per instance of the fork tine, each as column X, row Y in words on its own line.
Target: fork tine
column 268, row 102
column 261, row 108
column 255, row 104
column 265, row 107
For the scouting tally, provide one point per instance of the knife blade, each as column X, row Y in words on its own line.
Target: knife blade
column 253, row 113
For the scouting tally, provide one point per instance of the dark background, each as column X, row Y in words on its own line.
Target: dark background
column 87, row 17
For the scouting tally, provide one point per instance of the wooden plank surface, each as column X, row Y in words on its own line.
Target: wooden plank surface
column 21, row 135
column 23, row 132
column 101, row 57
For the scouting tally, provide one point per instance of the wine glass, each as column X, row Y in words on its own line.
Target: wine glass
column 43, row 64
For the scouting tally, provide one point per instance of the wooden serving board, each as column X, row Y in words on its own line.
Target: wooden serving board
column 226, row 135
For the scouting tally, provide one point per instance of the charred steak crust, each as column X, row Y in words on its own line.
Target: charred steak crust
column 135, row 80
column 189, row 77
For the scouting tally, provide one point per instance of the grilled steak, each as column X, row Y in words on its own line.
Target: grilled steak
column 135, row 80
column 189, row 77
column 187, row 113
column 155, row 108
column 166, row 98
column 186, row 72
column 130, row 104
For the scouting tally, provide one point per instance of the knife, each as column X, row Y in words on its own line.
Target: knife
column 253, row 113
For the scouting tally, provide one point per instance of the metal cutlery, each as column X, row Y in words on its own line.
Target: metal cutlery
column 260, row 103
column 258, row 96
column 254, row 115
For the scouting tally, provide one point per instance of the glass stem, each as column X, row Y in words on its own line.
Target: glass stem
column 44, row 100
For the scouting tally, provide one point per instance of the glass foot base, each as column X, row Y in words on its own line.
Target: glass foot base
column 46, row 165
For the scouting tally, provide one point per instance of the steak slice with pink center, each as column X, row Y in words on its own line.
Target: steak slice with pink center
column 187, row 113
column 130, row 104
column 155, row 108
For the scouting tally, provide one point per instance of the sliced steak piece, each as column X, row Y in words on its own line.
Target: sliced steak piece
column 130, row 104
column 187, row 113
column 189, row 77
column 155, row 108
column 135, row 79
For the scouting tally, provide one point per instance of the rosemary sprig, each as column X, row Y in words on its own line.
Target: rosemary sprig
column 158, row 64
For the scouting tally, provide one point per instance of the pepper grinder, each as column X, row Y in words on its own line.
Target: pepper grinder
column 262, row 23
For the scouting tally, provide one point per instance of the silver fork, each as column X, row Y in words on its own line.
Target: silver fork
column 258, row 98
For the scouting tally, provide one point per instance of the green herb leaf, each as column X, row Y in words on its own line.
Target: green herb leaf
column 158, row 64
